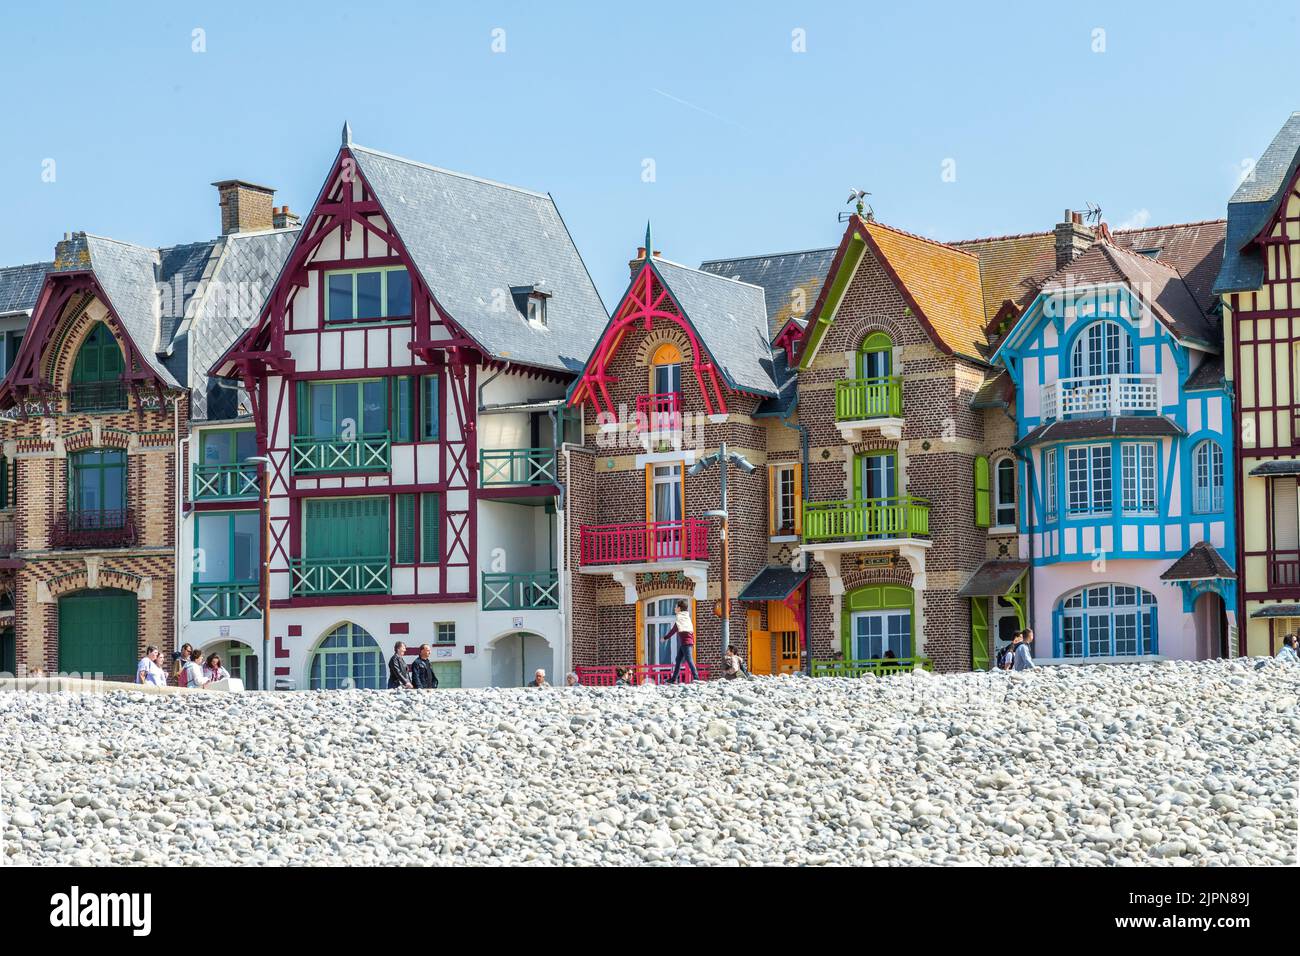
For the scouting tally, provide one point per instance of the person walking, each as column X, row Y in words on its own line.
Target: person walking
column 1287, row 653
column 685, row 631
column 1023, row 660
column 148, row 670
column 1006, row 656
column 539, row 679
column 423, row 676
column 399, row 673
column 213, row 671
column 179, row 660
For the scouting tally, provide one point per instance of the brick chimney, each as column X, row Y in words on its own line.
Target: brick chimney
column 1073, row 238
column 245, row 207
column 71, row 254
column 282, row 218
column 635, row 264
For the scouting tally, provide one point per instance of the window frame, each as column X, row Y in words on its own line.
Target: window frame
column 1121, row 606
column 75, row 466
column 1207, row 492
column 784, row 499
column 1093, row 464
column 430, row 408
column 998, row 504
column 353, row 319
column 1051, row 500
column 231, row 515
column 1140, row 478
column 306, row 416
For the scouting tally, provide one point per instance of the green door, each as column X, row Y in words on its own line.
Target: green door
column 98, row 634
column 448, row 674
column 346, row 528
column 8, row 652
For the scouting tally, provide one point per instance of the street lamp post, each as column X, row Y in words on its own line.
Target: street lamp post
column 264, row 464
column 723, row 459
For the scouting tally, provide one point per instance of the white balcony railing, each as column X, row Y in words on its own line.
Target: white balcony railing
column 1092, row 396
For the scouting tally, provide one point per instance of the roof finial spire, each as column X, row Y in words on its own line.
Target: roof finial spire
column 347, row 133
column 649, row 248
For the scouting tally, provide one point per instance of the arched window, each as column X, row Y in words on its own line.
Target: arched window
column 1004, row 492
column 97, row 373
column 1207, row 478
column 666, row 370
column 1107, row 620
column 1103, row 348
column 876, row 356
column 347, row 657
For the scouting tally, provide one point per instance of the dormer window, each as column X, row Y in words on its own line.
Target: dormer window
column 537, row 310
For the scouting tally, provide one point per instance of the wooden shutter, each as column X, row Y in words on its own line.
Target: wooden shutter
column 430, row 518
column 406, row 529
column 346, row 527
column 982, row 491
column 979, row 634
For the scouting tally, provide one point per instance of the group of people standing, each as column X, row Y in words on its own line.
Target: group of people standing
column 418, row 675
column 1016, row 655
column 189, row 668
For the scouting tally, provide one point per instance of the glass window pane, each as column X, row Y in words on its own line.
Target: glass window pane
column 347, row 407
column 246, row 559
column 321, row 400
column 375, row 414
column 245, row 444
column 213, row 564
column 399, row 293
column 369, row 300
column 402, row 410
column 429, row 416
column 216, row 448
column 340, row 297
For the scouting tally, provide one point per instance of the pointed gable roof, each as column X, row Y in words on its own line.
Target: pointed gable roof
column 474, row 240
column 1253, row 206
column 1158, row 285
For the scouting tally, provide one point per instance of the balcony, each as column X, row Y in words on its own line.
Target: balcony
column 661, row 411
column 98, row 397
column 1284, row 570
column 686, row 540
column 225, row 602
column 335, row 456
column 536, row 591
column 871, row 520
column 875, row 667
column 869, row 404
column 314, row 577
column 515, row 467
column 107, row 528
column 225, row 482
column 1099, row 396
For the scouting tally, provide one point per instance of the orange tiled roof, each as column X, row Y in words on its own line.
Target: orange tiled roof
column 1012, row 267
column 943, row 282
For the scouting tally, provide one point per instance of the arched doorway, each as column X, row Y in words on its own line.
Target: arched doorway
column 517, row 656
column 347, row 657
column 98, row 633
column 239, row 659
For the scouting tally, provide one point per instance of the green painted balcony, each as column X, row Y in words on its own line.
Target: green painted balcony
column 875, row 667
column 534, row 591
column 513, row 467
column 334, row 456
column 313, row 577
column 874, row 520
column 225, row 602
column 227, row 482
column 869, row 404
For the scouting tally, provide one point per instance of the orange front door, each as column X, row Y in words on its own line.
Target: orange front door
column 760, row 645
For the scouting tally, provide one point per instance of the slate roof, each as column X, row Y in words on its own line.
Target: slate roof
column 773, row 583
column 236, row 281
column 730, row 317
column 790, row 280
column 1209, row 374
column 1251, row 207
column 996, row 391
column 1193, row 249
column 787, row 384
column 470, row 238
column 20, row 286
column 994, row 578
column 1159, row 285
column 184, row 265
column 1201, row 561
column 1286, row 466
column 1124, row 426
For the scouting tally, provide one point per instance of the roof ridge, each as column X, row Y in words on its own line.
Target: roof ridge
column 1170, row 225
column 768, row 255
column 918, row 237
column 451, row 172
column 711, row 275
column 122, row 242
column 26, row 265
column 1145, row 260
column 1010, row 235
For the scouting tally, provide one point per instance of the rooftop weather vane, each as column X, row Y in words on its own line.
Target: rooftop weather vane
column 856, row 196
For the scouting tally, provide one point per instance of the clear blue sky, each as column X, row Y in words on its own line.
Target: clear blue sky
column 755, row 146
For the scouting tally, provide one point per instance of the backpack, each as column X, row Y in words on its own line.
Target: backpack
column 1004, row 657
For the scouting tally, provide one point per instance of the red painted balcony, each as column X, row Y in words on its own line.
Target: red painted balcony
column 112, row 528
column 686, row 540
column 661, row 412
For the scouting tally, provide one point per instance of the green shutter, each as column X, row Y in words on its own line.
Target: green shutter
column 345, row 527
column 402, row 430
column 406, row 529
column 430, row 517
column 979, row 634
column 429, row 408
column 304, row 410
column 982, row 497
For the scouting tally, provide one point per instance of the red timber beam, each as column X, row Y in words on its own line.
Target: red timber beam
column 643, row 303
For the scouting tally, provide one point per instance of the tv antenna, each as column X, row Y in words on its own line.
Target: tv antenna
column 1093, row 215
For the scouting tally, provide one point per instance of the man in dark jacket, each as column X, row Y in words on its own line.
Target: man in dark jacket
column 399, row 674
column 422, row 674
